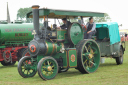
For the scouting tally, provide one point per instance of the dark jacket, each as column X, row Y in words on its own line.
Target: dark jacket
column 65, row 26
column 93, row 26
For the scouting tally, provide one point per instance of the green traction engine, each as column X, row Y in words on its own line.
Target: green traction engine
column 14, row 39
column 55, row 51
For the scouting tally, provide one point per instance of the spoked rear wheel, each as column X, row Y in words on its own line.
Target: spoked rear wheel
column 88, row 56
column 47, row 68
column 26, row 67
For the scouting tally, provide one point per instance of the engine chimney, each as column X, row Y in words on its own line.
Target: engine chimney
column 35, row 12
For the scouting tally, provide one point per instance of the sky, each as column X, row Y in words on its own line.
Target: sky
column 117, row 9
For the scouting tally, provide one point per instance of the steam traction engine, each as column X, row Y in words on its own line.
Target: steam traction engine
column 53, row 51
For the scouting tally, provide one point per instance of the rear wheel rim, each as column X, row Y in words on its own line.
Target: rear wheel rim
column 49, row 68
column 90, row 56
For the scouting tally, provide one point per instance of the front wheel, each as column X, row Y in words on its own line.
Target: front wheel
column 119, row 60
column 26, row 67
column 47, row 68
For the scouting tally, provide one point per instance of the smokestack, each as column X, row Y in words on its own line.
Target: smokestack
column 8, row 16
column 35, row 10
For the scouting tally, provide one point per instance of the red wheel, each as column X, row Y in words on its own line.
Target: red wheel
column 7, row 56
column 7, row 64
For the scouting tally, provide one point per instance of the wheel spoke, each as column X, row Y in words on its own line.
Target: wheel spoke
column 44, row 64
column 95, row 50
column 43, row 67
column 91, row 51
column 86, row 48
column 89, row 64
column 51, row 72
column 43, row 70
column 85, row 54
column 24, row 63
column 23, row 67
column 24, row 70
column 85, row 61
column 87, row 67
column 90, row 43
column 27, row 72
column 46, row 73
column 52, row 66
column 48, row 62
column 93, row 63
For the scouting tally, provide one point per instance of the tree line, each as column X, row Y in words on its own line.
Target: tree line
column 21, row 15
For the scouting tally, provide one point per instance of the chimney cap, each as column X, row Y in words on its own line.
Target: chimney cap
column 35, row 6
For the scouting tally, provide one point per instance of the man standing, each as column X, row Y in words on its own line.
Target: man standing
column 91, row 29
column 65, row 25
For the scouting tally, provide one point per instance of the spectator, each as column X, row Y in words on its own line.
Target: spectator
column 125, row 36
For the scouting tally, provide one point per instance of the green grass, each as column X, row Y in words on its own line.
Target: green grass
column 107, row 74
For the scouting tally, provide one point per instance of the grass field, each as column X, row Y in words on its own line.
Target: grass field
column 107, row 74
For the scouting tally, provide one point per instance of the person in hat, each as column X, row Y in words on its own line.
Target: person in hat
column 65, row 25
column 91, row 29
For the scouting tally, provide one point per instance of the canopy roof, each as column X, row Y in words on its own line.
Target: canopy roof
column 113, row 31
column 52, row 13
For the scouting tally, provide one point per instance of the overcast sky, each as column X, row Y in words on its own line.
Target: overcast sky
column 117, row 9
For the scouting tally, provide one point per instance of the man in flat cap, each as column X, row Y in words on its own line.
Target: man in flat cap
column 65, row 25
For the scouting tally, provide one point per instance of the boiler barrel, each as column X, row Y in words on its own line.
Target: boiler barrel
column 36, row 47
column 16, row 32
